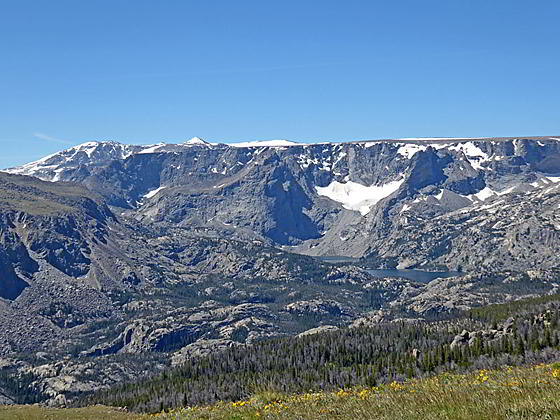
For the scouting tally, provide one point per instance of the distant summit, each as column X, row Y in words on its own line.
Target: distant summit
column 197, row 140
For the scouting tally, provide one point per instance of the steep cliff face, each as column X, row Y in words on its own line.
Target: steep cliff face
column 320, row 199
column 58, row 224
column 15, row 265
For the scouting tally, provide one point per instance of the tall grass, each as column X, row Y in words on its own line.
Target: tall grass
column 509, row 393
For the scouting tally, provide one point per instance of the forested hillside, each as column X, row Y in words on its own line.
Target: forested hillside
column 523, row 332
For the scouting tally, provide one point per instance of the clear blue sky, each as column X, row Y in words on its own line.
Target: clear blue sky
column 148, row 71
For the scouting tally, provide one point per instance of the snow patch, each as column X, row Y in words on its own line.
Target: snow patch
column 341, row 156
column 470, row 150
column 305, row 161
column 151, row 193
column 507, row 190
column 484, row 194
column 265, row 143
column 358, row 197
column 409, row 150
column 57, row 173
column 420, row 199
column 474, row 155
column 487, row 193
column 152, row 148
column 88, row 148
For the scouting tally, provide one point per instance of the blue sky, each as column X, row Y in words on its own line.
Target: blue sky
column 148, row 71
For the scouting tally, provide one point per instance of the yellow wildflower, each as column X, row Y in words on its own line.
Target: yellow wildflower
column 395, row 386
column 342, row 393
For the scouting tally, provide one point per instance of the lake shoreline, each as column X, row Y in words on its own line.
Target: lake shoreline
column 413, row 274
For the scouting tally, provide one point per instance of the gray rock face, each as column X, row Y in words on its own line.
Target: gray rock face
column 484, row 336
column 463, row 338
column 200, row 348
column 273, row 194
column 316, row 307
column 14, row 256
column 318, row 330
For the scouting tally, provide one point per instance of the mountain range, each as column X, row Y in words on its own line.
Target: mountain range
column 346, row 199
column 120, row 259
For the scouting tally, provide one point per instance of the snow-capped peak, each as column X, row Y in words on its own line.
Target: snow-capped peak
column 196, row 140
column 51, row 167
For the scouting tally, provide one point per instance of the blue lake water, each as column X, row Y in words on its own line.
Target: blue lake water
column 413, row 275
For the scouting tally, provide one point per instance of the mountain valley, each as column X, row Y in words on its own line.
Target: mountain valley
column 119, row 260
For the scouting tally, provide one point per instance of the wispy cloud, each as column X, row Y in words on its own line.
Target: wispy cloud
column 43, row 136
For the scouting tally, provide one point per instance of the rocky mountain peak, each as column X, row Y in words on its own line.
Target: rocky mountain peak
column 196, row 140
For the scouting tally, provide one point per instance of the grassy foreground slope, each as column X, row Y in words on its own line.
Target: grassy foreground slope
column 508, row 393
column 35, row 412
